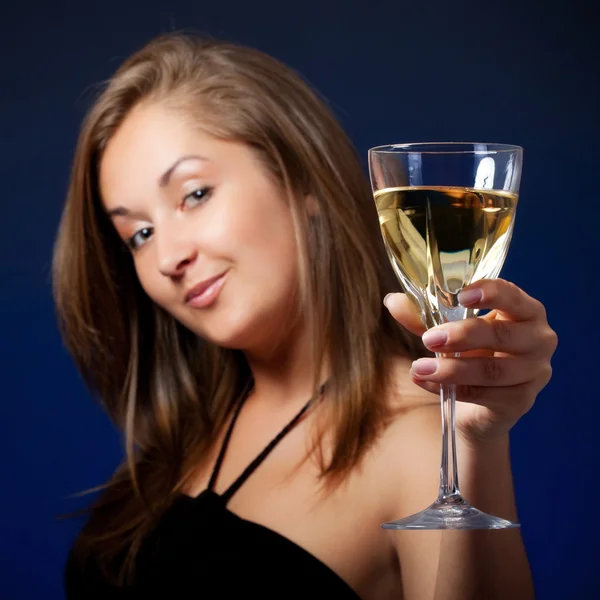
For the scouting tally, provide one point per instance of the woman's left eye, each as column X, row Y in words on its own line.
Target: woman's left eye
column 198, row 196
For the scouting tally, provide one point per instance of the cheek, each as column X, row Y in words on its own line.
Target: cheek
column 265, row 249
column 150, row 280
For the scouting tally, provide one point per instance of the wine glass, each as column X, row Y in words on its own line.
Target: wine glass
column 447, row 213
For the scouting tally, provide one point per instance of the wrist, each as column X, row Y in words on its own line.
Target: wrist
column 486, row 475
column 485, row 443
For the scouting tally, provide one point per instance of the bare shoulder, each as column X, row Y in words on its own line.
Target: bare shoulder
column 407, row 463
column 409, row 448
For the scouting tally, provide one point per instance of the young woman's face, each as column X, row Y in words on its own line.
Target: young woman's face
column 193, row 208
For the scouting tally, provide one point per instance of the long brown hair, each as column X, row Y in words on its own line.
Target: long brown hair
column 171, row 414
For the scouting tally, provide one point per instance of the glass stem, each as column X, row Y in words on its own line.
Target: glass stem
column 449, row 491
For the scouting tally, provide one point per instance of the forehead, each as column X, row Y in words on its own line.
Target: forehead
column 148, row 142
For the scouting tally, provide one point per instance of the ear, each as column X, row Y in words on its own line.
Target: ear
column 312, row 206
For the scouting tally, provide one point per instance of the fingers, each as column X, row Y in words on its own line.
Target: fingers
column 481, row 371
column 517, row 324
column 510, row 301
column 405, row 312
column 516, row 399
column 524, row 337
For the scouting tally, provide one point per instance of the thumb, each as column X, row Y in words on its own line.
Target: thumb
column 405, row 312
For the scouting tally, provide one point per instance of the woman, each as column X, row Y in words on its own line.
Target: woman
column 219, row 277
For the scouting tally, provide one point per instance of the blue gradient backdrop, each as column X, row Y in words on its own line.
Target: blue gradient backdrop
column 516, row 72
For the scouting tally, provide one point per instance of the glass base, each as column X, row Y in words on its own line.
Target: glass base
column 456, row 514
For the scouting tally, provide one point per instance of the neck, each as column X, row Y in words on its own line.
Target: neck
column 284, row 374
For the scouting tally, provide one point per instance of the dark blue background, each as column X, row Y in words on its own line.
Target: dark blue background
column 515, row 72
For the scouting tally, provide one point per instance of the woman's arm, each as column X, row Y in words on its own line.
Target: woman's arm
column 504, row 363
column 455, row 564
column 490, row 564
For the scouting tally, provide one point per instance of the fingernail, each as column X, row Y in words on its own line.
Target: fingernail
column 385, row 300
column 424, row 366
column 435, row 337
column 470, row 297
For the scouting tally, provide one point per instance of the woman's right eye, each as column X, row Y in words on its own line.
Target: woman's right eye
column 139, row 238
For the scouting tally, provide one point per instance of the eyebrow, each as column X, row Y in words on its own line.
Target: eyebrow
column 163, row 181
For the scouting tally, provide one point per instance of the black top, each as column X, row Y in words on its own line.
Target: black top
column 203, row 550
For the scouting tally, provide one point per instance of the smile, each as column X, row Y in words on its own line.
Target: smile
column 209, row 295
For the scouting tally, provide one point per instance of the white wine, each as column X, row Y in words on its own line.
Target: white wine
column 440, row 239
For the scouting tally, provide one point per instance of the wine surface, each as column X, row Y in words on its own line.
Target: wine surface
column 440, row 239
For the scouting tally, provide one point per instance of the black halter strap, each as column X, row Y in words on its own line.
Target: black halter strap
column 235, row 486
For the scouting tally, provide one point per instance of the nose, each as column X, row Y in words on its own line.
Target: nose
column 175, row 251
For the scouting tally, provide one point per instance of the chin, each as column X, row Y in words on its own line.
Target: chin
column 221, row 331
column 251, row 339
column 237, row 328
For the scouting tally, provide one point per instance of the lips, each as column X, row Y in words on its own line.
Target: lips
column 198, row 289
